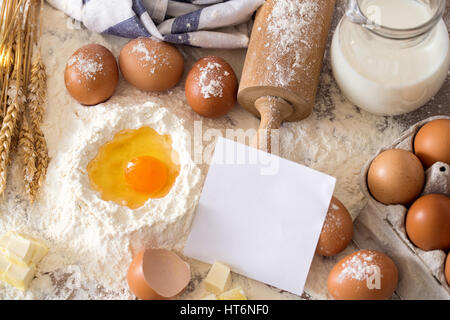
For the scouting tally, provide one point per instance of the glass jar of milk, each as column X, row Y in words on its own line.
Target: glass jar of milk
column 391, row 56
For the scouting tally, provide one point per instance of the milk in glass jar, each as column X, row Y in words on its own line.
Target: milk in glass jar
column 391, row 56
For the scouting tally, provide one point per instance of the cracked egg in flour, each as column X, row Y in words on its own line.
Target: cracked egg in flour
column 133, row 167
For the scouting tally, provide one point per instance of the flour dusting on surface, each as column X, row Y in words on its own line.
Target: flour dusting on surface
column 359, row 267
column 150, row 57
column 89, row 68
column 290, row 22
column 338, row 142
column 333, row 223
column 211, row 80
column 282, row 19
column 99, row 236
column 337, row 139
column 92, row 242
column 142, row 49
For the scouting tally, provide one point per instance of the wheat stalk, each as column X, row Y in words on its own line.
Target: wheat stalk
column 36, row 100
column 9, row 128
column 8, row 19
column 28, row 154
column 29, row 141
column 22, row 92
column 14, row 110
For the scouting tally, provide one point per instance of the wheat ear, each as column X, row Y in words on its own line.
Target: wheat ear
column 14, row 109
column 28, row 154
column 36, row 100
column 9, row 128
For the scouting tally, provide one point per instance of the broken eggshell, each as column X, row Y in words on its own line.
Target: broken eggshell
column 158, row 274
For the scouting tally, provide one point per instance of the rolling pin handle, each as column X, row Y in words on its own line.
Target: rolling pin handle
column 274, row 111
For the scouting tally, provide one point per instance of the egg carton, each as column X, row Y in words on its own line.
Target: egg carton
column 437, row 180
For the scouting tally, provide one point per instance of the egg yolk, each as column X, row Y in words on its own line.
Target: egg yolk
column 146, row 175
column 135, row 166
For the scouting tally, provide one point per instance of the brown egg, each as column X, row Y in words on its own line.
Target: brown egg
column 447, row 269
column 363, row 275
column 91, row 74
column 211, row 87
column 396, row 177
column 428, row 222
column 156, row 274
column 337, row 230
column 432, row 142
column 151, row 65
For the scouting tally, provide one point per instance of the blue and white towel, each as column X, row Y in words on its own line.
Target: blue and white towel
column 200, row 23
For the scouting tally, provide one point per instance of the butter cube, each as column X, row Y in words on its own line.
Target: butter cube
column 235, row 294
column 40, row 252
column 211, row 296
column 4, row 265
column 19, row 256
column 19, row 276
column 218, row 279
column 20, row 248
column 4, row 240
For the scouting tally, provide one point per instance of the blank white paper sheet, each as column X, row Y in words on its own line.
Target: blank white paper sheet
column 261, row 215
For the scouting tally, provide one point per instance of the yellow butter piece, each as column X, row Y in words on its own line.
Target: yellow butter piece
column 19, row 256
column 218, row 279
column 4, row 265
column 22, row 250
column 39, row 253
column 4, row 240
column 211, row 296
column 12, row 258
column 20, row 247
column 19, row 276
column 234, row 294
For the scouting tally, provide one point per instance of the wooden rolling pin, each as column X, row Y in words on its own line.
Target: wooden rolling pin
column 283, row 64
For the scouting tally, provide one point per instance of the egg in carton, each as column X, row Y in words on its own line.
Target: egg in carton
column 437, row 180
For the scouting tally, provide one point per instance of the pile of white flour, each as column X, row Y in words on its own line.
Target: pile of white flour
column 81, row 229
column 91, row 241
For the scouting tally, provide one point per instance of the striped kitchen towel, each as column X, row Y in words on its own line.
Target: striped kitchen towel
column 200, row 23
